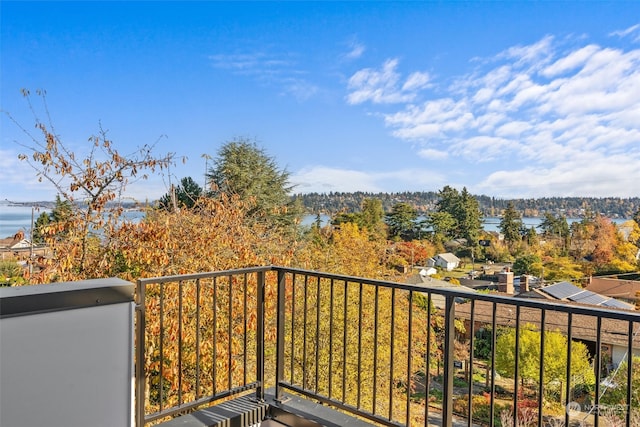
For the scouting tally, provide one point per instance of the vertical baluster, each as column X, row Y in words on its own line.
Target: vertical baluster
column 543, row 316
column 471, row 343
column 331, row 295
column 317, row 332
column 427, row 374
column 197, row 338
column 359, row 380
column 344, row 342
column 409, row 351
column 516, row 374
column 304, row 333
column 375, row 349
column 568, row 372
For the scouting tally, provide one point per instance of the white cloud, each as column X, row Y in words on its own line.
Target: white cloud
column 431, row 154
column 570, row 62
column 384, row 86
column 595, row 176
column 323, row 179
column 356, row 50
column 271, row 69
column 416, row 81
column 250, row 63
column 300, row 89
column 16, row 176
column 513, row 129
column 626, row 32
column 534, row 55
column 555, row 117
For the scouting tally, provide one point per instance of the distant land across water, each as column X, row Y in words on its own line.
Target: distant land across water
column 16, row 218
column 488, row 223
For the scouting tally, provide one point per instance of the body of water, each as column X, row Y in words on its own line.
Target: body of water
column 18, row 218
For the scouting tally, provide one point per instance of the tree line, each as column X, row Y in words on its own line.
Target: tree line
column 425, row 201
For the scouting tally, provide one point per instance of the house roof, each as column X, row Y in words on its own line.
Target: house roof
column 615, row 288
column 14, row 243
column 448, row 257
column 583, row 327
column 569, row 292
column 431, row 283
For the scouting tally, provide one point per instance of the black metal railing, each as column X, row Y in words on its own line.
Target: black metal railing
column 394, row 354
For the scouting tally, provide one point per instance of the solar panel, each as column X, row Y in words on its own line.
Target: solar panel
column 617, row 304
column 571, row 292
column 588, row 297
column 561, row 290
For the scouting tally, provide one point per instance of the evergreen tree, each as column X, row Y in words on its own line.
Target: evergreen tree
column 442, row 224
column 465, row 210
column 373, row 217
column 402, row 221
column 242, row 168
column 511, row 224
column 42, row 221
column 61, row 216
column 185, row 195
column 62, row 210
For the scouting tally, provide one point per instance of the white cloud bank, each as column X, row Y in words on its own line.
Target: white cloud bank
column 322, row 179
column 549, row 118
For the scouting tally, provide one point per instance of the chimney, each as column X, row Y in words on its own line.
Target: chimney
column 505, row 281
column 524, row 283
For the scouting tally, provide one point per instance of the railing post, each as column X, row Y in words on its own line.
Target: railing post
column 260, row 336
column 280, row 334
column 139, row 354
column 447, row 382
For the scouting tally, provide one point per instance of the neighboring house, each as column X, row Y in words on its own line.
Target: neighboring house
column 446, row 260
column 626, row 290
column 427, row 271
column 613, row 333
column 16, row 242
column 429, row 283
column 565, row 291
column 17, row 247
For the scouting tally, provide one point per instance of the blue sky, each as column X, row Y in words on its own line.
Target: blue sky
column 510, row 99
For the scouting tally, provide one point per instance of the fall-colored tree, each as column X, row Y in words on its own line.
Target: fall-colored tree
column 557, row 268
column 415, row 252
column 88, row 184
column 370, row 218
column 554, row 360
column 216, row 234
column 605, row 237
column 528, row 264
